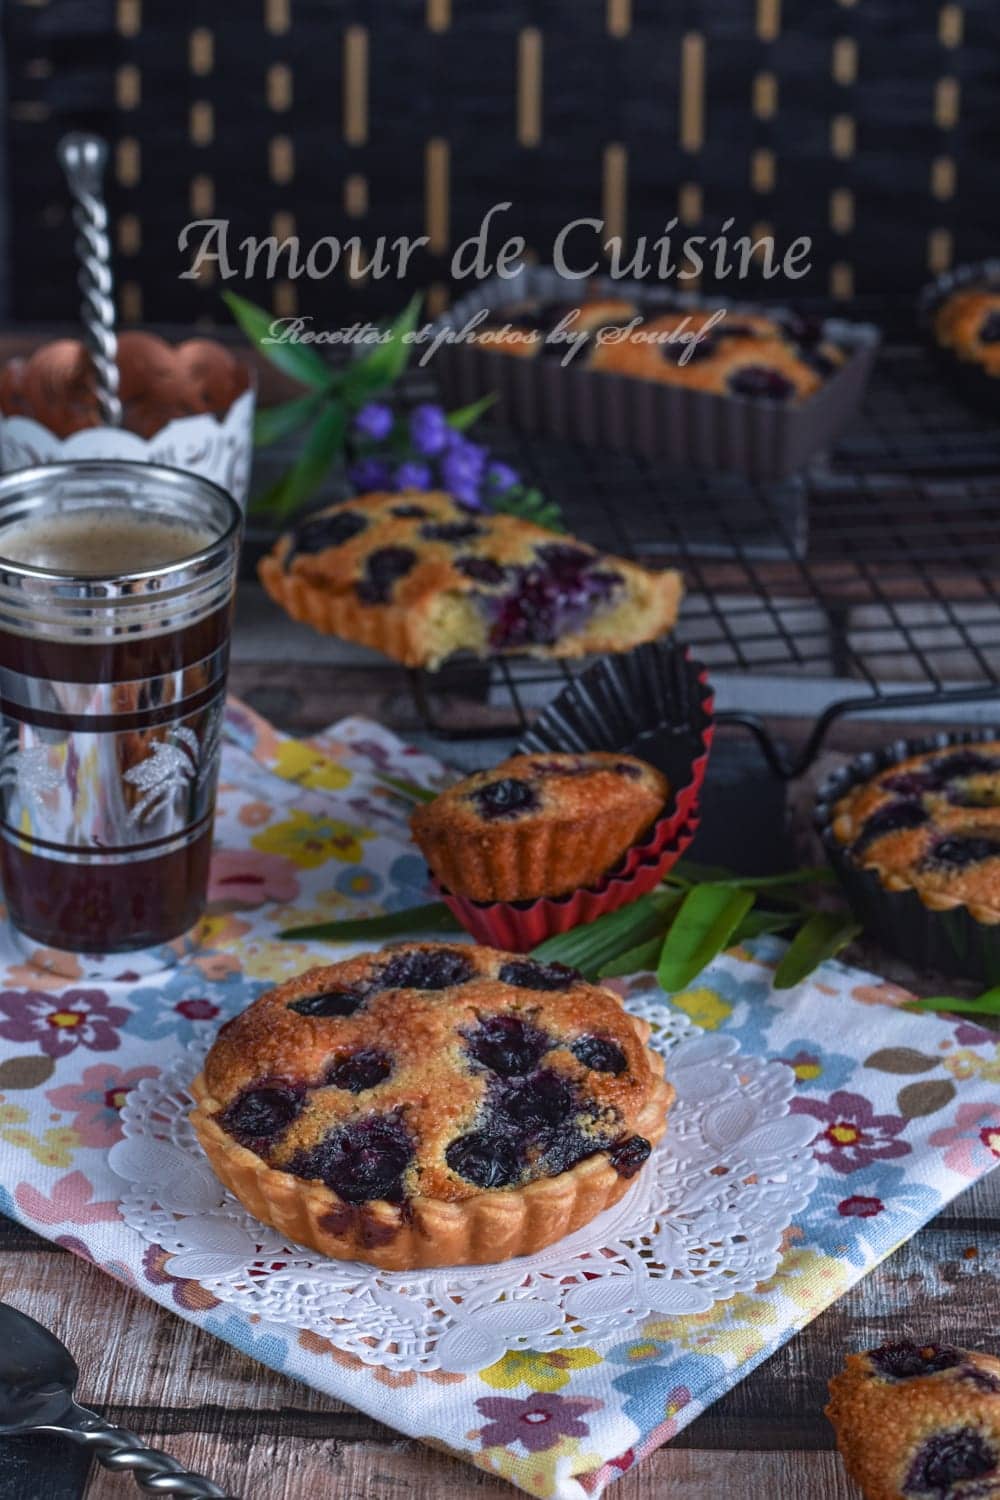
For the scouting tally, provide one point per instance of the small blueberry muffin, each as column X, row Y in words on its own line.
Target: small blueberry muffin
column 538, row 825
column 967, row 325
column 420, row 577
column 431, row 1104
column 919, row 1422
column 931, row 824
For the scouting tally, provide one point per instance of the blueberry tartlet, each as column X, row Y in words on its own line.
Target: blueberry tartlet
column 746, row 355
column 419, row 577
column 431, row 1105
column 538, row 825
column 919, row 1422
column 967, row 326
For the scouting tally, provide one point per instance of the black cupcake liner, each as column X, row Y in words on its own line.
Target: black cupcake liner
column 696, row 429
column 952, row 942
column 654, row 702
column 965, row 376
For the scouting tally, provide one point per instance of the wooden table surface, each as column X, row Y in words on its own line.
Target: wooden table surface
column 267, row 1437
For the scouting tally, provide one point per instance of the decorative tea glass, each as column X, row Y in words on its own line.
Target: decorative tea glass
column 116, row 593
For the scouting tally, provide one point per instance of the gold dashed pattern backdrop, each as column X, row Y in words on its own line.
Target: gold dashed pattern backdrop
column 870, row 126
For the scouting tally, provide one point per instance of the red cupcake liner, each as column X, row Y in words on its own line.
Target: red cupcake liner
column 518, row 926
column 654, row 702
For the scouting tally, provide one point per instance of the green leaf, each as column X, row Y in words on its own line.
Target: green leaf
column 986, row 1004
column 435, row 917
column 387, row 360
column 822, row 936
column 705, row 923
column 324, row 443
column 590, row 947
column 634, row 960
column 298, row 360
column 467, row 416
column 530, row 505
column 690, row 872
column 757, row 923
column 274, row 422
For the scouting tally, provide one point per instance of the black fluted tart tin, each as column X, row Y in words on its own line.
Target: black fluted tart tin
column 951, row 942
column 694, row 429
column 965, row 376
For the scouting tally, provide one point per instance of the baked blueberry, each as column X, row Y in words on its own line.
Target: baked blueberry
column 362, row 1162
column 891, row 818
column 529, row 974
column 331, row 530
column 262, row 1113
column 945, row 1460
column 486, row 1159
column 383, row 570
column 426, row 969
column 507, row 1044
column 629, row 1155
column 410, row 512
column 451, row 531
column 330, row 1003
column 761, row 383
column 506, row 798
column 989, row 329
column 541, row 1100
column 360, row 1070
column 600, row 1054
column 481, row 569
column 959, row 851
column 904, row 1360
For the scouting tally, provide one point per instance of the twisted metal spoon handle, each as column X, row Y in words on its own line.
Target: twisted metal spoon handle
column 83, row 158
column 125, row 1452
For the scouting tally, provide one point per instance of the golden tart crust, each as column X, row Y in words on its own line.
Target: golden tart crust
column 931, row 823
column 538, row 825
column 919, row 1422
column 419, row 577
column 432, row 1104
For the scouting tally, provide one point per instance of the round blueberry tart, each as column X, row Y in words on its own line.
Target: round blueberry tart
column 919, row 1422
column 538, row 825
column 421, row 578
column 914, row 833
column 430, row 1105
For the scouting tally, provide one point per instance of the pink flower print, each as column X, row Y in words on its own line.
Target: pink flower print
column 96, row 1100
column 537, row 1422
column 973, row 1143
column 859, row 1207
column 247, row 878
column 59, row 1023
column 854, row 1134
column 69, row 1202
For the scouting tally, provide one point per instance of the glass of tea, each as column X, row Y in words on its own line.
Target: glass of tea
column 116, row 596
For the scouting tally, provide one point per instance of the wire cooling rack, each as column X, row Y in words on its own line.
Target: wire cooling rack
column 878, row 569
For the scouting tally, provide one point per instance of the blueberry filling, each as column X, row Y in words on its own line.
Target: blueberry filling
column 423, row 969
column 506, row 798
column 564, row 1147
column 911, row 783
column 481, row 569
column 958, row 851
column 600, row 1054
column 485, row 1159
column 330, row 1003
column 802, row 330
column 688, row 349
column 963, row 763
column 325, row 531
column 410, row 512
column 761, row 383
column 946, row 1459
column 384, row 569
column 538, row 1102
column 362, row 1070
column 983, row 1380
column 989, row 329
column 628, row 1156
column 364, row 1161
column 904, row 1360
column 528, row 974
column 556, row 593
column 891, row 818
column 451, row 531
column 507, row 1045
column 261, row 1113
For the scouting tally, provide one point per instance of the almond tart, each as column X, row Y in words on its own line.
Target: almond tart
column 420, row 577
column 538, row 825
column 431, row 1104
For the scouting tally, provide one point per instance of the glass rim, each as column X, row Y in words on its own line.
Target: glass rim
column 120, row 468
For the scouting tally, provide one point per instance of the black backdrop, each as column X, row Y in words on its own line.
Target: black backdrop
column 873, row 127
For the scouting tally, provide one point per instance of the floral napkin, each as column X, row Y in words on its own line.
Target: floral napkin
column 906, row 1110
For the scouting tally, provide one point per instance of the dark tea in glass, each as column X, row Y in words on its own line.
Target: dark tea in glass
column 116, row 593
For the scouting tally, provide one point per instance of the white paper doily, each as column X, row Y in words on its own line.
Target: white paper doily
column 703, row 1221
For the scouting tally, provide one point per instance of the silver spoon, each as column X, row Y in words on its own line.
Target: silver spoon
column 83, row 158
column 38, row 1376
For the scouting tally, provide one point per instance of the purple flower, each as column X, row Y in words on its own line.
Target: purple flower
column 467, row 495
column 537, row 1422
column 374, row 420
column 854, row 1134
column 369, row 474
column 462, row 472
column 58, row 1023
column 429, row 429
column 412, row 476
column 501, row 478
